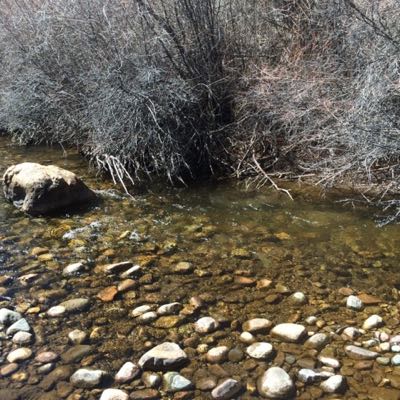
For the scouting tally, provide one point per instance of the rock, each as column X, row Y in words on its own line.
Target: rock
column 169, row 309
column 76, row 353
column 298, row 298
column 46, row 357
column 114, row 394
column 87, row 378
column 56, row 311
column 369, row 300
column 75, row 305
column 311, row 320
column 8, row 317
column 77, row 336
column 257, row 325
column 309, row 376
column 133, row 271
column 260, row 350
column 289, row 332
column 354, row 303
column 9, row 369
column 164, row 356
column 217, row 354
column 118, row 267
column 247, row 337
column 174, row 382
column 108, row 294
column 46, row 368
column 206, row 325
column 20, row 325
column 37, row 189
column 329, row 361
column 275, row 383
column 168, row 321
column 21, row 354
column 374, row 321
column 235, row 355
column 22, row 337
column 151, row 379
column 146, row 394
column 128, row 372
column 351, row 333
column 334, row 384
column 183, row 267
column 73, row 269
column 317, row 341
column 395, row 360
column 148, row 317
column 138, row 311
column 359, row 353
column 206, row 384
column 228, row 389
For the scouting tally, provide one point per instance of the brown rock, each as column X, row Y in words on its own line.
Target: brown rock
column 108, row 293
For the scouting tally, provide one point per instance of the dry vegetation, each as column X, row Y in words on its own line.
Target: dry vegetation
column 183, row 88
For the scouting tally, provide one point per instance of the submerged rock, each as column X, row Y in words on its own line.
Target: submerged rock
column 8, row 317
column 226, row 390
column 87, row 378
column 38, row 189
column 174, row 382
column 275, row 384
column 164, row 356
column 114, row 394
column 289, row 332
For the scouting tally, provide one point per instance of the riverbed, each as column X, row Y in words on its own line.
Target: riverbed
column 219, row 250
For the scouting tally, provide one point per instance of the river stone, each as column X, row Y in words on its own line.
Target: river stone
column 169, row 309
column 329, row 361
column 77, row 336
column 206, row 325
column 260, row 350
column 174, row 382
column 75, row 305
column 334, row 384
column 351, row 333
column 247, row 337
column 114, row 394
column 317, row 341
column 127, row 373
column 46, row 357
column 360, row 353
column 73, row 269
column 148, row 317
column 228, row 389
column 257, row 325
column 310, row 376
column 206, row 384
column 21, row 354
column 8, row 369
column 37, row 189
column 151, row 379
column 145, row 394
column 289, row 332
column 275, row 383
column 76, row 353
column 87, row 378
column 56, row 311
column 164, row 356
column 354, row 303
column 22, row 337
column 395, row 360
column 20, row 325
column 298, row 298
column 132, row 271
column 217, row 354
column 138, row 311
column 108, row 294
column 374, row 321
column 8, row 317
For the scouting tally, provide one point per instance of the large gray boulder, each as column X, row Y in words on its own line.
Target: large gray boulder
column 38, row 189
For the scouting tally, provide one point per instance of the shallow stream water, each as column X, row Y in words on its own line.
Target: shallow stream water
column 233, row 241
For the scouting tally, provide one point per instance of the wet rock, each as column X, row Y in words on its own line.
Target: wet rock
column 334, row 384
column 37, row 189
column 59, row 374
column 206, row 325
column 369, row 300
column 145, row 394
column 108, row 294
column 354, row 303
column 148, row 317
column 138, row 311
column 114, row 394
column 260, row 350
column 206, row 384
column 306, row 375
column 298, row 298
column 126, row 284
column 76, row 353
column 351, row 333
column 169, row 309
column 169, row 321
column 8, row 317
column 174, row 382
column 217, row 354
column 275, row 383
column 69, row 306
column 374, row 321
column 133, row 271
column 164, row 356
column 247, row 337
column 151, row 379
column 87, row 378
column 128, row 372
column 8, row 369
column 360, row 353
column 395, row 360
column 235, row 355
column 46, row 357
column 226, row 390
column 182, row 267
column 118, row 267
column 329, row 361
column 77, row 336
column 20, row 325
column 257, row 325
column 289, row 332
column 46, row 368
column 73, row 269
column 21, row 354
column 317, row 341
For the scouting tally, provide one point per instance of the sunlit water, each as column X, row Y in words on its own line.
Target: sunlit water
column 227, row 233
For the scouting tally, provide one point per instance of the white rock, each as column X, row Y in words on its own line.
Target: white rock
column 56, row 311
column 148, row 317
column 138, row 311
column 73, row 269
column 87, row 378
column 374, row 321
column 247, row 337
column 206, row 325
column 127, row 372
column 334, row 384
column 21, row 354
column 22, row 337
column 8, row 317
column 329, row 361
column 260, row 350
column 289, row 332
column 275, row 383
column 298, row 298
column 351, row 333
column 257, row 325
column 20, row 325
column 360, row 353
column 133, row 271
column 354, row 303
column 169, row 309
column 310, row 376
column 77, row 336
column 226, row 390
column 217, row 354
column 164, row 356
column 317, row 341
column 114, row 394
column 311, row 320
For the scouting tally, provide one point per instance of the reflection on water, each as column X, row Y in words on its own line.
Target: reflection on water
column 224, row 231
